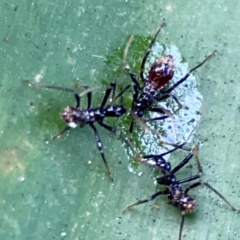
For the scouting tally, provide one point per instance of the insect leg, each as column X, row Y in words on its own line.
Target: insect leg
column 167, row 95
column 119, row 134
column 164, row 192
column 99, row 145
column 149, row 50
column 197, row 184
column 188, row 74
column 107, row 93
column 181, row 227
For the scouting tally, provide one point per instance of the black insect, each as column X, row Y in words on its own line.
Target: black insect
column 159, row 75
column 177, row 196
column 76, row 116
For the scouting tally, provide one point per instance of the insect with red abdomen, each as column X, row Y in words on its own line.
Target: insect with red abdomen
column 154, row 84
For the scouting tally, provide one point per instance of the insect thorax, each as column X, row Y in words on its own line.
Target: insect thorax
column 146, row 99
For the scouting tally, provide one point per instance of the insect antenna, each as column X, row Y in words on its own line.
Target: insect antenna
column 126, row 52
column 60, row 133
column 65, row 89
column 195, row 151
column 149, row 49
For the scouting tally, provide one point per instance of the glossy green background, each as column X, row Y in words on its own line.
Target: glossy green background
column 49, row 191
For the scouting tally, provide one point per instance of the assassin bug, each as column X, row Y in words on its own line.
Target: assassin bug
column 76, row 116
column 159, row 75
column 177, row 195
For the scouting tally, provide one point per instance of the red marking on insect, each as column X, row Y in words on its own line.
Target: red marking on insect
column 161, row 72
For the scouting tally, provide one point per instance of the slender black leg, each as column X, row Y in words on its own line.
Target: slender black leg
column 88, row 91
column 189, row 179
column 178, row 167
column 119, row 134
column 163, row 180
column 99, row 145
column 107, row 93
column 149, row 50
column 136, row 84
column 113, row 86
column 167, row 95
column 194, row 153
column 77, row 100
column 188, row 74
column 121, row 93
column 77, row 96
column 197, row 184
column 221, row 196
column 135, row 95
column 163, row 164
column 134, row 80
column 131, row 129
column 182, row 163
column 176, row 146
column 89, row 97
column 137, row 88
column 155, row 119
column 164, row 192
column 161, row 110
column 180, row 146
column 142, row 122
column 181, row 227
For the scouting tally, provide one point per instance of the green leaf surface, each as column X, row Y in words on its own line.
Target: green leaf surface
column 59, row 189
